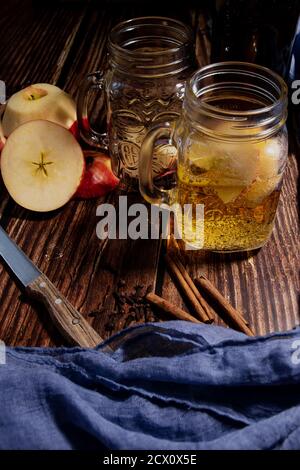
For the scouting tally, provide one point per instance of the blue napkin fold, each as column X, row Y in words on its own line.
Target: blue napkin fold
column 173, row 385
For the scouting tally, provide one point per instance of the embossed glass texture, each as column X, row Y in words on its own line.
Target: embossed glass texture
column 149, row 61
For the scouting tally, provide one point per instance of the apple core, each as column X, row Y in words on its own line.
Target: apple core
column 32, row 93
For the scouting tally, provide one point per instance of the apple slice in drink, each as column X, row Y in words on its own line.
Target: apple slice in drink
column 42, row 165
column 199, row 154
column 269, row 158
column 260, row 189
column 228, row 167
column 40, row 101
column 269, row 172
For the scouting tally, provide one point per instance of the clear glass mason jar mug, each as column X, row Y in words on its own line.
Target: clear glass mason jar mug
column 149, row 60
column 232, row 148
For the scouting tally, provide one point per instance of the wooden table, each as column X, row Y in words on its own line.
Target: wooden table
column 60, row 45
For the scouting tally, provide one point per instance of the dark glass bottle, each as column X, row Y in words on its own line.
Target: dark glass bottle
column 259, row 31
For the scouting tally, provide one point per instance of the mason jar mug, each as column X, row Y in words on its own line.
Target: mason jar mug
column 232, row 148
column 149, row 60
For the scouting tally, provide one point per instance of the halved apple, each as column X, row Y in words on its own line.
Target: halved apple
column 42, row 165
column 40, row 101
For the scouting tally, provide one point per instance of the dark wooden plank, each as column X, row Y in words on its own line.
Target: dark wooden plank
column 35, row 40
column 263, row 285
column 85, row 269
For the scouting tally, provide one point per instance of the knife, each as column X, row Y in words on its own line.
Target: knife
column 67, row 319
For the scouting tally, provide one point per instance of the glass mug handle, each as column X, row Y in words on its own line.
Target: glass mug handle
column 149, row 191
column 93, row 81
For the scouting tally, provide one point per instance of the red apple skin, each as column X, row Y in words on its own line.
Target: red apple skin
column 2, row 143
column 2, row 137
column 98, row 178
column 74, row 129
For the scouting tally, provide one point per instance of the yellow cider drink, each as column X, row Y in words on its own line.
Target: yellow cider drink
column 239, row 186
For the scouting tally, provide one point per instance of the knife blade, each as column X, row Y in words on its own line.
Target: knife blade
column 68, row 320
column 16, row 259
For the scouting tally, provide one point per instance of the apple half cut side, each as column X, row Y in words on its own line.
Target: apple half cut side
column 98, row 178
column 40, row 101
column 42, row 165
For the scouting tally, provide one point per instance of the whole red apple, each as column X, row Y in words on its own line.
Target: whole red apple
column 98, row 178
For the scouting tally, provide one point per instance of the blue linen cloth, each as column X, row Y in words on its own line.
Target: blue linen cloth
column 173, row 385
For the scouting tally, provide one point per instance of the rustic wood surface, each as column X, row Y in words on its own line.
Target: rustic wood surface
column 60, row 44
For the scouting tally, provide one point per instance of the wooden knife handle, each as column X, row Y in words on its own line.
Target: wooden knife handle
column 68, row 320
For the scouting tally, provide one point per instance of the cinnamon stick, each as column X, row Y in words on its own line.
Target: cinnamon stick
column 188, row 292
column 231, row 314
column 174, row 249
column 196, row 292
column 170, row 308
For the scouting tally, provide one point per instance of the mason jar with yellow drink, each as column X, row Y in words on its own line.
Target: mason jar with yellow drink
column 232, row 148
